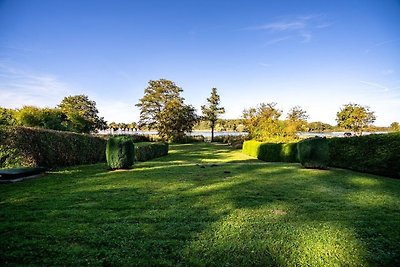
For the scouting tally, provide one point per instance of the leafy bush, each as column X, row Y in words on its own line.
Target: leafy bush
column 189, row 139
column 233, row 140
column 120, row 152
column 271, row 152
column 147, row 151
column 314, row 153
column 32, row 147
column 375, row 153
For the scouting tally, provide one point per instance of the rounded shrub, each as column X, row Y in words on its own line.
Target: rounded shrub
column 120, row 152
column 313, row 153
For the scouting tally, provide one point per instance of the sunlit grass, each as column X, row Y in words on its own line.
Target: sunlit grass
column 204, row 204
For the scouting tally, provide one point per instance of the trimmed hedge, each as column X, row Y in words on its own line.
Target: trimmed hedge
column 314, row 153
column 251, row 148
column 375, row 153
column 271, row 152
column 147, row 151
column 32, row 147
column 120, row 152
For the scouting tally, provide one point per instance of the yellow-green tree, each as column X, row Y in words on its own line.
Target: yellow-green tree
column 355, row 117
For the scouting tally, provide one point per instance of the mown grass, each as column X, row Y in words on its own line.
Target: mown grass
column 206, row 205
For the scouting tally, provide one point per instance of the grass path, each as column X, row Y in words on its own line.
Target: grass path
column 206, row 205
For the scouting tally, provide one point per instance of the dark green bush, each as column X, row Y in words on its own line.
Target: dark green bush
column 32, row 147
column 314, row 153
column 289, row 152
column 187, row 139
column 120, row 152
column 147, row 151
column 270, row 152
column 375, row 153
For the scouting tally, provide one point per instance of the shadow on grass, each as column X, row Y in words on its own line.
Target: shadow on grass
column 170, row 211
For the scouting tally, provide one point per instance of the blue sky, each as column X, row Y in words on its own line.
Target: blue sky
column 316, row 54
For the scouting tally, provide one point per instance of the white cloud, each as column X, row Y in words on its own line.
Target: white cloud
column 20, row 87
column 302, row 27
column 377, row 85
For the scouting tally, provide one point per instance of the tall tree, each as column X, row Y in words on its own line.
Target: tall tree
column 82, row 114
column 175, row 120
column 156, row 96
column 296, row 120
column 162, row 108
column 212, row 110
column 355, row 117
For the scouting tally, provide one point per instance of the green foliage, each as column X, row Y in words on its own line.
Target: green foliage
column 31, row 147
column 271, row 152
column 120, row 152
column 175, row 120
column 395, row 127
column 375, row 153
column 81, row 114
column 162, row 108
column 313, row 153
column 289, row 152
column 7, row 116
column 187, row 139
column 263, row 123
column 212, row 110
column 355, row 117
column 148, row 151
column 251, row 148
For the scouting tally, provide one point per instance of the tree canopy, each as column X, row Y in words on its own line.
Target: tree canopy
column 81, row 114
column 355, row 117
column 212, row 110
column 163, row 108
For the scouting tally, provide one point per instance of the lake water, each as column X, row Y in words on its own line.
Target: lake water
column 207, row 134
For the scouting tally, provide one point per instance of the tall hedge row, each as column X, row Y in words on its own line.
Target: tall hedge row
column 375, row 153
column 271, row 152
column 314, row 153
column 147, row 151
column 23, row 146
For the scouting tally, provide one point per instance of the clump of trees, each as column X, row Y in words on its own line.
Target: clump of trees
column 263, row 122
column 162, row 108
column 355, row 117
column 74, row 113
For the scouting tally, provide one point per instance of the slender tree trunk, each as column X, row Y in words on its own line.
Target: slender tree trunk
column 212, row 131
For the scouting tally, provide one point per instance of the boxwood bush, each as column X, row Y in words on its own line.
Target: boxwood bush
column 375, row 153
column 32, row 147
column 120, row 152
column 147, row 151
column 314, row 153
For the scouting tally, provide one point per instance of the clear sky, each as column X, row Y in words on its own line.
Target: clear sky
column 316, row 54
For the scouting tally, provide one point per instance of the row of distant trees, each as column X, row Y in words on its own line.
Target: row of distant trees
column 162, row 108
column 74, row 113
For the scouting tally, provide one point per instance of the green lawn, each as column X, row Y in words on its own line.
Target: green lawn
column 201, row 205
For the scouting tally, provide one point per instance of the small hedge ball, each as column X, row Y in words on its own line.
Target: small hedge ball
column 120, row 152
